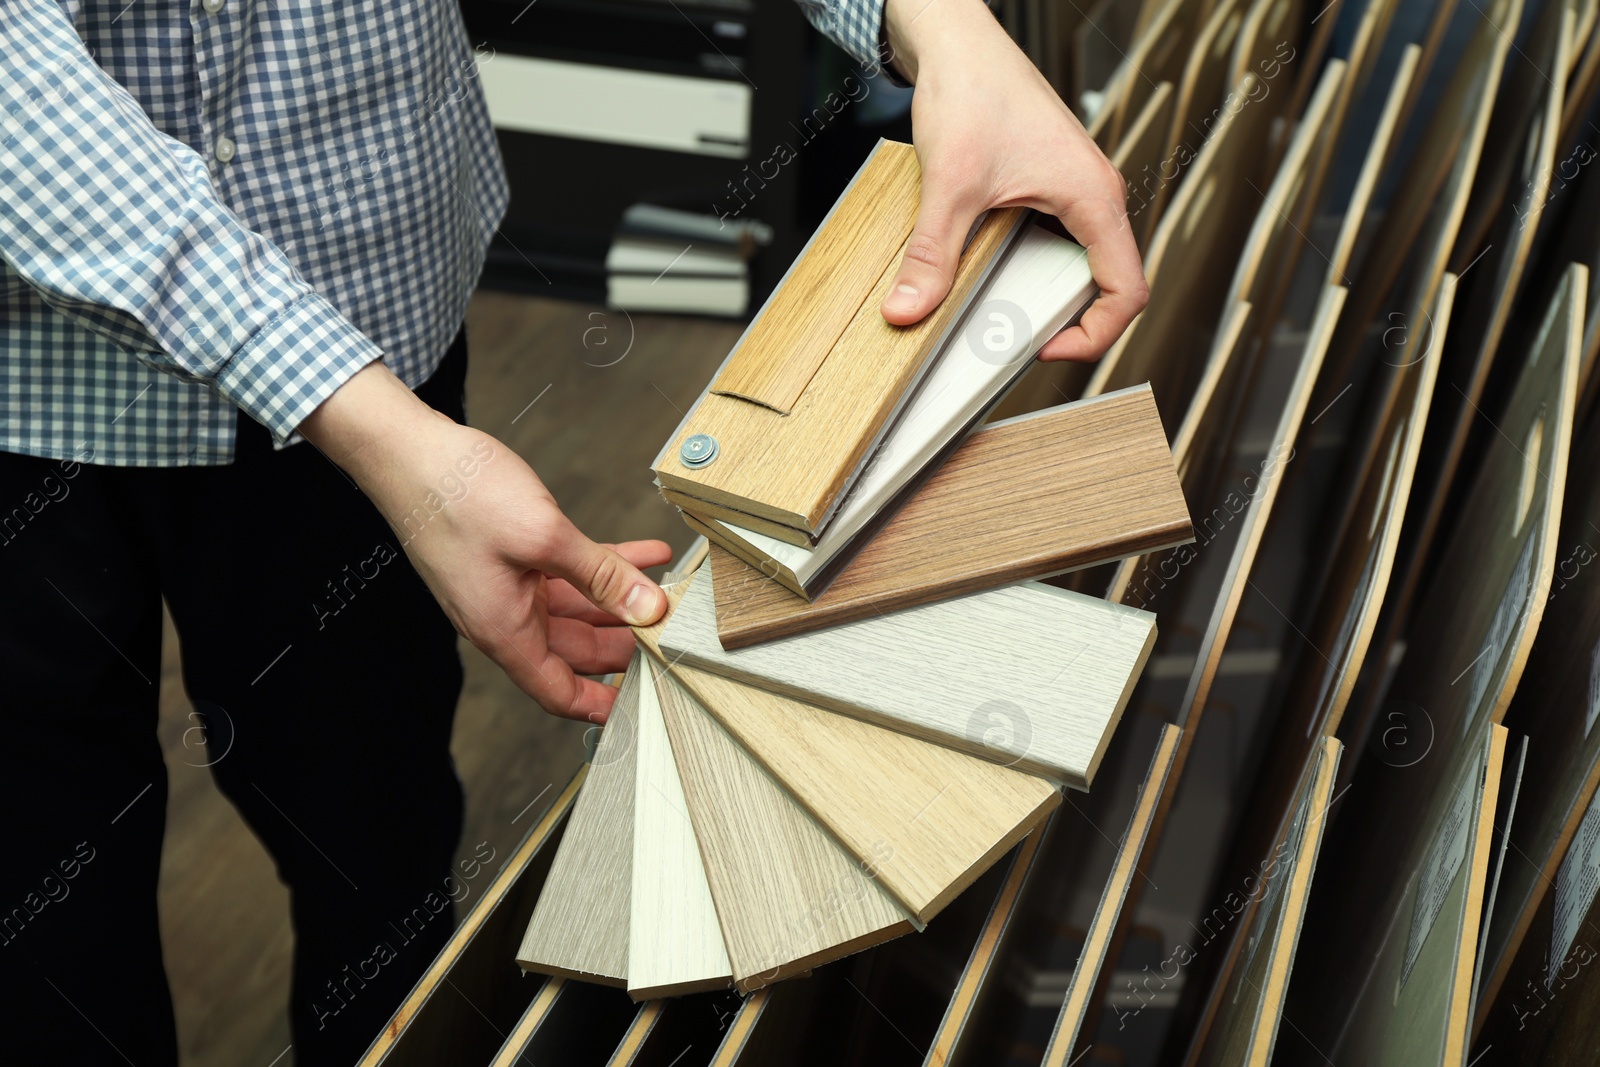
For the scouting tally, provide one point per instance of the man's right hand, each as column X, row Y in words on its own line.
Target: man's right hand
column 513, row 573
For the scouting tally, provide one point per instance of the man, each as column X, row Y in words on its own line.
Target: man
column 230, row 224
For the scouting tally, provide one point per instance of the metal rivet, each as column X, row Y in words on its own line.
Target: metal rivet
column 698, row 450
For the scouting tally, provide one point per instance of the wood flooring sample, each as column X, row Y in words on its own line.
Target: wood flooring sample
column 808, row 391
column 674, row 944
column 788, row 898
column 1064, row 488
column 927, row 819
column 1027, row 675
column 579, row 927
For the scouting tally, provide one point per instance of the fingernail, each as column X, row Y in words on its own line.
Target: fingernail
column 638, row 607
column 904, row 298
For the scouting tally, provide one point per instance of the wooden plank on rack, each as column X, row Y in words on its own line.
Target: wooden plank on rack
column 1466, row 654
column 1555, row 706
column 1089, row 979
column 1244, row 1028
column 472, row 991
column 571, row 1022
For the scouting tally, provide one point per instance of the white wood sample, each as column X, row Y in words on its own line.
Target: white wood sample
column 1041, row 284
column 674, row 942
column 788, row 897
column 1026, row 675
column 579, row 927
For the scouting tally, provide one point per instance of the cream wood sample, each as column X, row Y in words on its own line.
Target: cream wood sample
column 787, row 897
column 1043, row 280
column 1415, row 1011
column 674, row 943
column 928, row 820
column 1087, row 977
column 580, row 926
column 849, row 394
column 1027, row 675
column 1057, row 490
column 1251, row 1007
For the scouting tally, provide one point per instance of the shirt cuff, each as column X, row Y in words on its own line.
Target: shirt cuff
column 294, row 363
column 854, row 25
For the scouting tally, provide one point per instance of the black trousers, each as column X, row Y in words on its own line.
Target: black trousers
column 325, row 678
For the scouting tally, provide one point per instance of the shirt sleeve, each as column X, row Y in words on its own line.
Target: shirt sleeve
column 854, row 25
column 119, row 227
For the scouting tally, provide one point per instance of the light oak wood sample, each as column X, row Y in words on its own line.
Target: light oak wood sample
column 1466, row 653
column 928, row 820
column 1042, row 283
column 826, row 390
column 787, row 897
column 580, row 927
column 1415, row 1006
column 1060, row 489
column 1026, row 675
column 953, row 1038
column 1250, row 1008
column 471, row 989
column 1554, row 706
column 674, row 943
column 1088, row 983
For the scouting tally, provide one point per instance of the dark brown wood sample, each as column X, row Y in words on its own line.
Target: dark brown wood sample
column 1063, row 488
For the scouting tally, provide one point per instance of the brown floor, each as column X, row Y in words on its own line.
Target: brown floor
column 586, row 396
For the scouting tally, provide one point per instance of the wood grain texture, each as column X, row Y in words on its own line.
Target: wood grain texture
column 1041, row 284
column 927, row 819
column 846, row 404
column 787, row 897
column 1026, row 675
column 1553, row 707
column 797, row 328
column 472, row 969
column 1421, row 1016
column 1068, row 1034
column 1063, row 488
column 1467, row 649
column 1250, row 1008
column 674, row 943
column 580, row 927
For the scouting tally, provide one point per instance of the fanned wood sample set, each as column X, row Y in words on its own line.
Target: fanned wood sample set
column 908, row 766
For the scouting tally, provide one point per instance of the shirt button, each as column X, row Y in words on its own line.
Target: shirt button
column 224, row 149
column 212, row 6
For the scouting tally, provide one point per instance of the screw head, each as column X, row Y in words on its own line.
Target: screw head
column 698, row 450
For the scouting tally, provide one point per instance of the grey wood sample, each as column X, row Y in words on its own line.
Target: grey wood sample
column 1026, row 675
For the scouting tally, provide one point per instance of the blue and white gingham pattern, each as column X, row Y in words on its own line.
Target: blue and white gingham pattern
column 202, row 209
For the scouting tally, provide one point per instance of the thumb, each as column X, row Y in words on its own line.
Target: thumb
column 612, row 583
column 932, row 254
